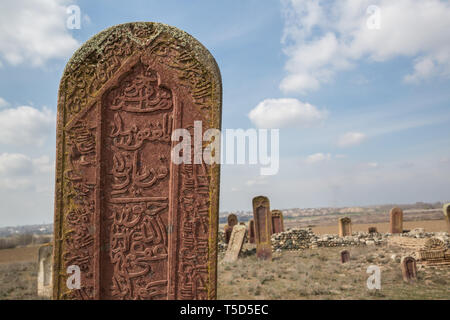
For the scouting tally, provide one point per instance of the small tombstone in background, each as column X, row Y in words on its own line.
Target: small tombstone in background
column 409, row 269
column 345, row 227
column 345, row 256
column 263, row 227
column 232, row 220
column 447, row 215
column 373, row 230
column 396, row 220
column 45, row 274
column 277, row 221
column 251, row 231
column 235, row 244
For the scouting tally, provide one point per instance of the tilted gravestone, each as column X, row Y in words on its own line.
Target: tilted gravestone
column 232, row 220
column 409, row 269
column 277, row 221
column 447, row 216
column 44, row 278
column 235, row 244
column 251, row 231
column 345, row 227
column 396, row 220
column 263, row 227
column 345, row 256
column 137, row 223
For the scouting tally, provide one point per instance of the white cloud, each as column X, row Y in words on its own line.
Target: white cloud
column 21, row 172
column 373, row 165
column 3, row 103
column 318, row 157
column 279, row 113
column 350, row 139
column 15, row 164
column 25, row 125
column 34, row 31
column 322, row 38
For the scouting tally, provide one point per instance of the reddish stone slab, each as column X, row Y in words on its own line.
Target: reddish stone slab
column 277, row 221
column 409, row 269
column 345, row 256
column 345, row 227
column 251, row 231
column 263, row 227
column 138, row 225
column 396, row 220
column 232, row 220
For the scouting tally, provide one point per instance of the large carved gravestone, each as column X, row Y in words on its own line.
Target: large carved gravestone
column 396, row 220
column 277, row 221
column 263, row 227
column 44, row 278
column 345, row 227
column 235, row 244
column 137, row 224
column 251, row 231
column 409, row 269
column 447, row 215
column 232, row 220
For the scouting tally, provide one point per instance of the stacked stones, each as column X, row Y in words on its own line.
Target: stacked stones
column 294, row 239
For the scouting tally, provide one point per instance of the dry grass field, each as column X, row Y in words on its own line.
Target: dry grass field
column 309, row 274
column 18, row 273
column 318, row 274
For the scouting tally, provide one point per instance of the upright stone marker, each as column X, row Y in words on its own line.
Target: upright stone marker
column 447, row 215
column 44, row 279
column 409, row 269
column 396, row 220
column 251, row 231
column 137, row 224
column 345, row 227
column 345, row 256
column 232, row 220
column 277, row 221
column 235, row 244
column 263, row 227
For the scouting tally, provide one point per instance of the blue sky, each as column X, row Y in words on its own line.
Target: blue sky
column 363, row 112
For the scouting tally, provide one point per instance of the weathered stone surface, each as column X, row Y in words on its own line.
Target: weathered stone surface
column 409, row 269
column 263, row 227
column 277, row 221
column 235, row 244
column 345, row 256
column 251, row 231
column 434, row 252
column 447, row 216
column 227, row 232
column 45, row 266
column 345, row 227
column 232, row 220
column 396, row 220
column 138, row 225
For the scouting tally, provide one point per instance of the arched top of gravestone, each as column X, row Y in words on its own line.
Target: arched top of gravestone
column 232, row 219
column 261, row 201
column 276, row 213
column 345, row 220
column 396, row 210
column 102, row 56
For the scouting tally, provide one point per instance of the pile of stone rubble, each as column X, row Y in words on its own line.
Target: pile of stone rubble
column 300, row 239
